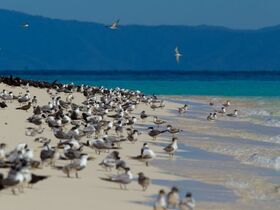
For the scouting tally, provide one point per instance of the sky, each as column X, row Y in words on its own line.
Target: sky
column 238, row 14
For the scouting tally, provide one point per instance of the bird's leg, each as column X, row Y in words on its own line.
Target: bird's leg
column 77, row 176
column 13, row 191
column 147, row 163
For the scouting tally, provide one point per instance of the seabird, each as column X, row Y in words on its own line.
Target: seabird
column 146, row 155
column 115, row 25
column 234, row 114
column 158, row 121
column 160, row 203
column 227, row 103
column 171, row 148
column 154, row 133
column 177, row 54
column 188, row 203
column 183, row 109
column 143, row 115
column 123, row 179
column 110, row 160
column 49, row 154
column 3, row 104
column 133, row 136
column 25, row 107
column 76, row 166
column 173, row 198
column 172, row 130
column 24, row 98
column 2, row 151
column 25, row 25
column 143, row 181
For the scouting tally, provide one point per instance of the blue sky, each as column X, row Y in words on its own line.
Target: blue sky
column 243, row 14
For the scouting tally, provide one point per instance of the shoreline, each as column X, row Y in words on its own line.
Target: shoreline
column 192, row 154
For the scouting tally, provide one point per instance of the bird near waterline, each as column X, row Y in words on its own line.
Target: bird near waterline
column 154, row 132
column 234, row 114
column 171, row 148
column 173, row 198
column 146, row 155
column 183, row 109
column 160, row 203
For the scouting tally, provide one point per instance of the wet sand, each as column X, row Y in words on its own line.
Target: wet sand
column 218, row 171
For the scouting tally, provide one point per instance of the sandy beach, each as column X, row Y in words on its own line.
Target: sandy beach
column 215, row 161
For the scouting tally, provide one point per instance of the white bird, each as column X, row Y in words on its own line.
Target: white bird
column 177, row 54
column 25, row 25
column 115, row 25
column 123, row 179
column 75, row 166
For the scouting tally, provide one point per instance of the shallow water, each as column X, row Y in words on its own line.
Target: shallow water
column 224, row 83
column 239, row 154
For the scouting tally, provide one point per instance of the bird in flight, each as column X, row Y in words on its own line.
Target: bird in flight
column 115, row 25
column 177, row 54
column 25, row 25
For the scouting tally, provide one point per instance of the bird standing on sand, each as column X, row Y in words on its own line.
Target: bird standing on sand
column 177, row 55
column 188, row 203
column 3, row 105
column 160, row 203
column 171, row 148
column 76, row 166
column 158, row 121
column 25, row 107
column 154, row 133
column 143, row 115
column 173, row 130
column 183, row 109
column 234, row 114
column 123, row 179
column 173, row 198
column 143, row 181
column 2, row 151
column 227, row 103
column 146, row 155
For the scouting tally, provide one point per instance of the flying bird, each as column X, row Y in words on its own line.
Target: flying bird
column 115, row 25
column 177, row 54
column 25, row 25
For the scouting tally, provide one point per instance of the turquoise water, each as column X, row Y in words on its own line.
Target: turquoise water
column 170, row 82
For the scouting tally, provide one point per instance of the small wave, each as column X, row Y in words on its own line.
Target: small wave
column 259, row 113
column 265, row 161
column 273, row 139
column 272, row 123
column 239, row 184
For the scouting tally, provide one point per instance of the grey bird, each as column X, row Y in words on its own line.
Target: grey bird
column 123, row 179
column 143, row 181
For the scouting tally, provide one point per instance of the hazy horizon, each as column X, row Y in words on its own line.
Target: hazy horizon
column 238, row 14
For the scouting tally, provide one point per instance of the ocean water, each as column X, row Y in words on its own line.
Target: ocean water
column 266, row 83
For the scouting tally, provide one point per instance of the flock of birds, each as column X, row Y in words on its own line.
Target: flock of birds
column 102, row 122
column 223, row 111
column 116, row 25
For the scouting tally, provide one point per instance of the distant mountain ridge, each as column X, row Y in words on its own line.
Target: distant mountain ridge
column 74, row 45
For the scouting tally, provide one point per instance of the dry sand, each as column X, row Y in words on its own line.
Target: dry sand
column 89, row 191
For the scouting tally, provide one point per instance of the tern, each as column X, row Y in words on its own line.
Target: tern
column 177, row 54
